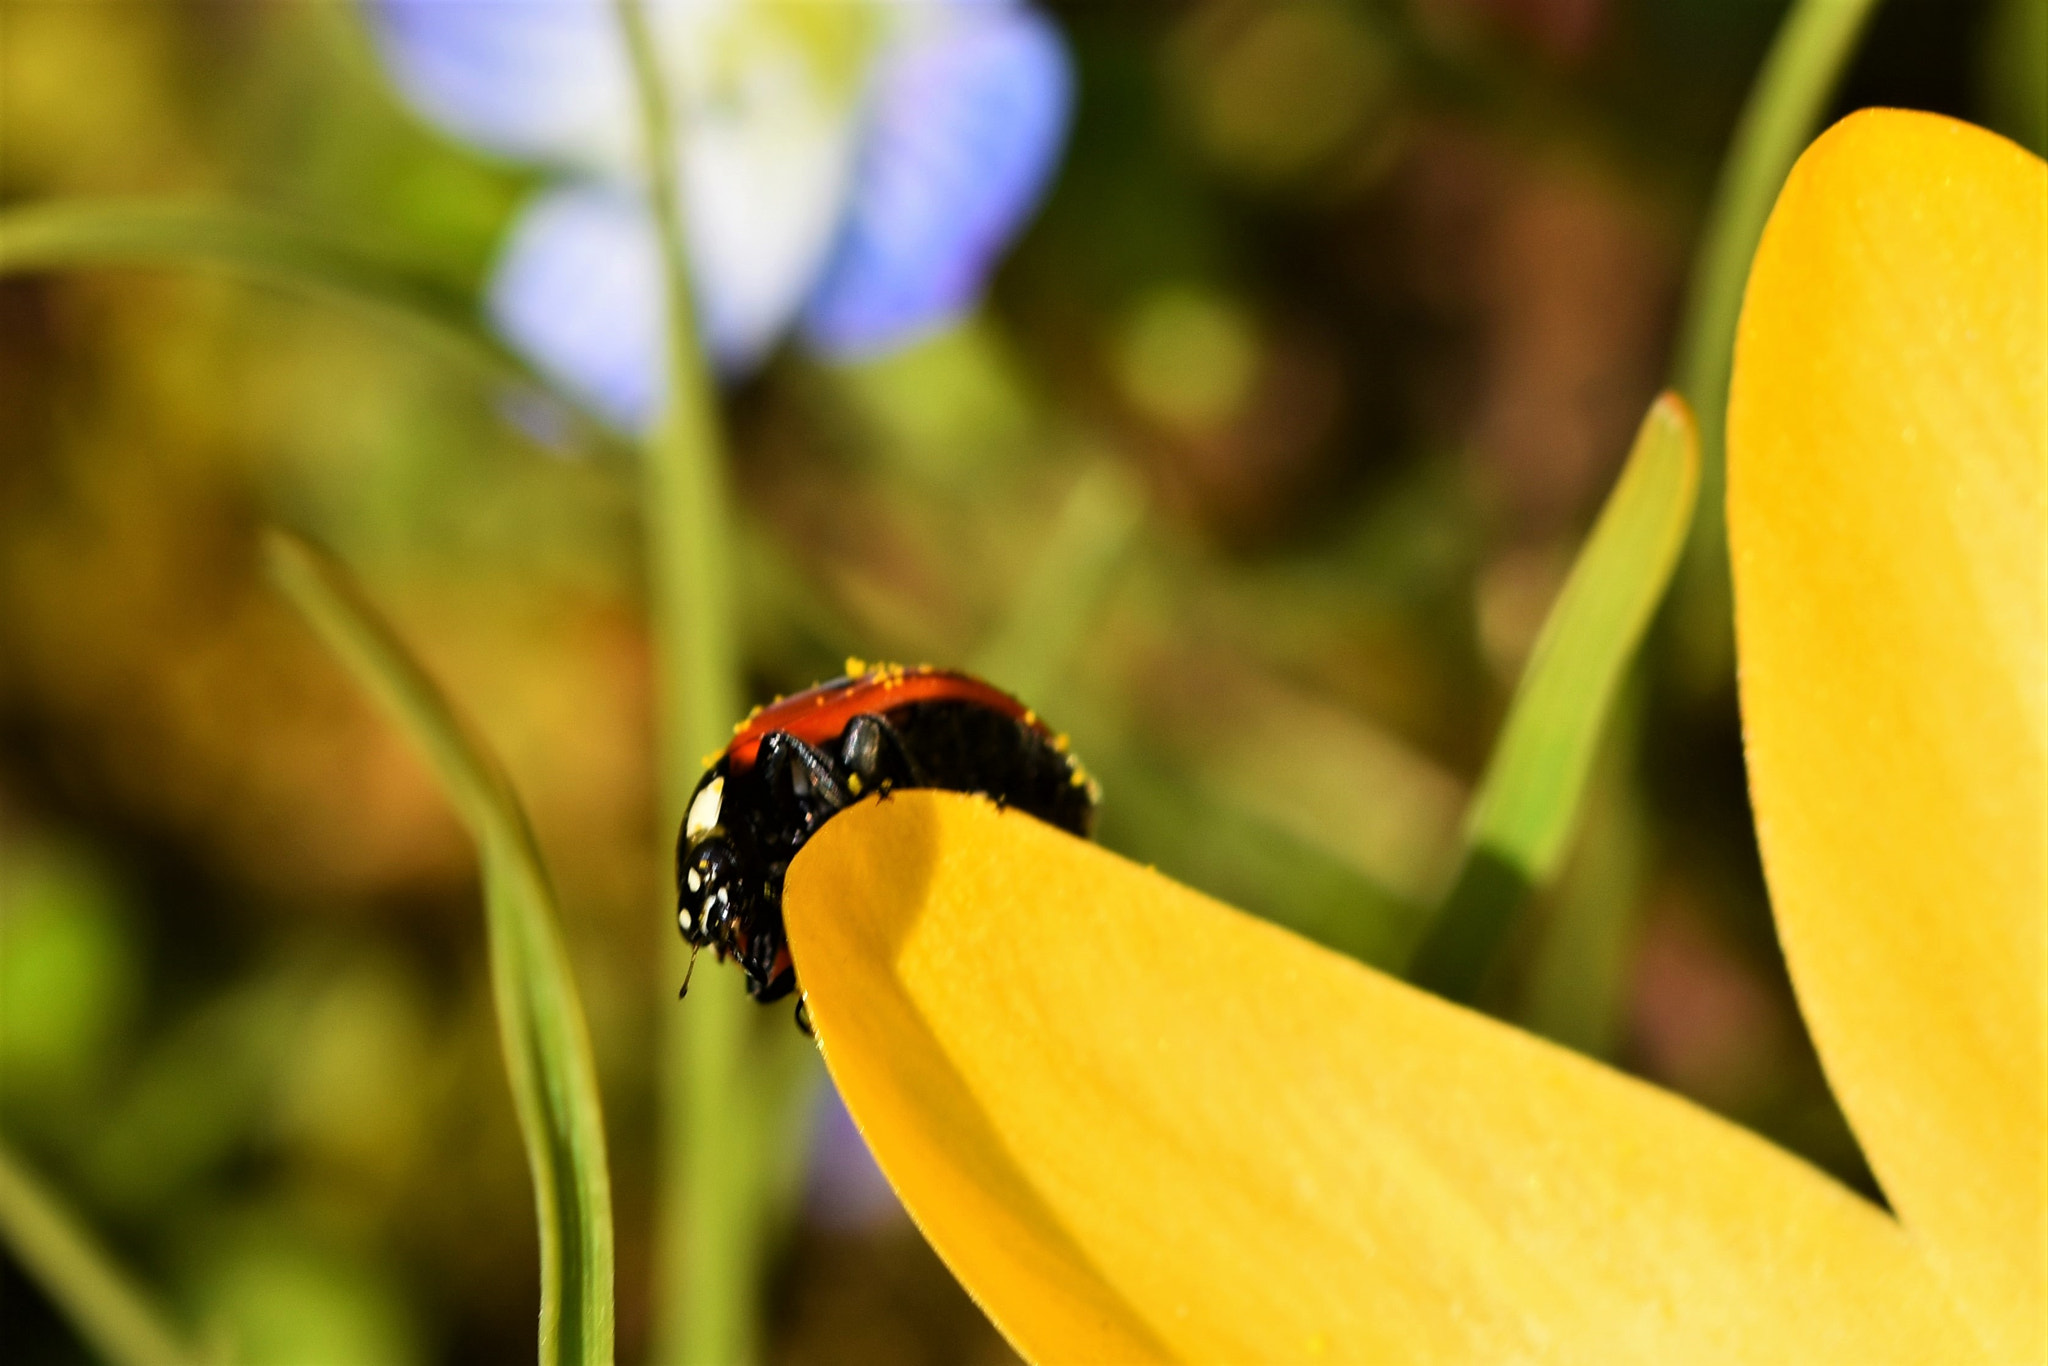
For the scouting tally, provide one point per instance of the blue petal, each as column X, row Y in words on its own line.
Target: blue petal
column 543, row 80
column 579, row 290
column 966, row 123
column 847, row 1189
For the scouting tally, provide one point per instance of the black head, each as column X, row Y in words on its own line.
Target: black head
column 712, row 891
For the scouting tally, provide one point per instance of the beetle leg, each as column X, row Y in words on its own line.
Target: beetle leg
column 761, row 961
column 872, row 751
column 797, row 773
column 767, row 986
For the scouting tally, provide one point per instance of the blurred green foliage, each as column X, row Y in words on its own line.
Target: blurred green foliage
column 1258, row 474
column 2015, row 78
column 69, row 975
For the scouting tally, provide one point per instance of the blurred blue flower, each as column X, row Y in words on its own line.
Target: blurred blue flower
column 852, row 166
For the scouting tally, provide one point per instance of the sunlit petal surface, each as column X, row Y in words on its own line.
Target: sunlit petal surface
column 965, row 124
column 1888, row 514
column 1140, row 1125
column 578, row 288
column 543, row 80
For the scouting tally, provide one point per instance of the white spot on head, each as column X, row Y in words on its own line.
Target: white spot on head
column 687, row 920
column 705, row 808
column 696, row 880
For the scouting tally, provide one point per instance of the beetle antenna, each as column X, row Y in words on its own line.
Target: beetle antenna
column 694, row 948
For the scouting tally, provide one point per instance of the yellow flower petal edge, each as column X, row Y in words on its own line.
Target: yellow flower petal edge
column 1139, row 1125
column 1888, row 516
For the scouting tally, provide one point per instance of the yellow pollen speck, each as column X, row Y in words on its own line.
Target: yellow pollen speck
column 855, row 666
column 1059, row 742
column 853, row 783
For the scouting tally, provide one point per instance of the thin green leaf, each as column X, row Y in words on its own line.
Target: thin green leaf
column 540, row 1020
column 70, row 234
column 52, row 1245
column 1792, row 90
column 1057, row 603
column 1210, row 838
column 1521, row 819
column 1575, row 992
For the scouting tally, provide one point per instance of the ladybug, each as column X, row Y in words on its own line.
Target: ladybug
column 795, row 764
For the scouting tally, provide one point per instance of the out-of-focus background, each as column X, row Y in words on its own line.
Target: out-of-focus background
column 1327, row 341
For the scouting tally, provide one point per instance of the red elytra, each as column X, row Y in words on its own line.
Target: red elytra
column 817, row 715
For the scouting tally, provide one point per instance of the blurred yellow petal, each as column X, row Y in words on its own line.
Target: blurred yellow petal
column 1139, row 1125
column 1888, row 516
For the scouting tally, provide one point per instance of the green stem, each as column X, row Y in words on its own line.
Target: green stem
column 1792, row 90
column 707, row 1232
column 76, row 1272
column 1578, row 973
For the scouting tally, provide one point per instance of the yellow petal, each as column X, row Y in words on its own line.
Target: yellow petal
column 1139, row 1125
column 1888, row 516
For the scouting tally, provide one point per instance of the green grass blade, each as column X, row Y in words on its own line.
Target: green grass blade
column 1059, row 600
column 1576, row 989
column 51, row 1244
column 1798, row 77
column 540, row 1020
column 73, row 234
column 1522, row 817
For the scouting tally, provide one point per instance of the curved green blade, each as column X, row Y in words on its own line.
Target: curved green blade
column 1521, row 820
column 1059, row 600
column 78, row 1275
column 71, row 234
column 540, row 1019
column 1814, row 44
